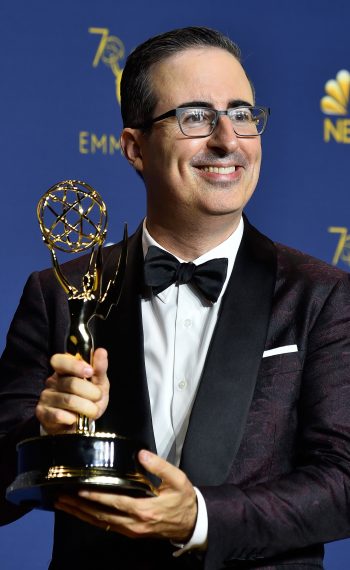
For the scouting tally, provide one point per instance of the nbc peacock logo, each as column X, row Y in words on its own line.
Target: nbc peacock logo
column 336, row 104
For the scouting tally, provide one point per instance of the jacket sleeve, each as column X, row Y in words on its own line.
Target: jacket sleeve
column 310, row 504
column 24, row 367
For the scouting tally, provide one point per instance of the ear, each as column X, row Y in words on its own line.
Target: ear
column 130, row 144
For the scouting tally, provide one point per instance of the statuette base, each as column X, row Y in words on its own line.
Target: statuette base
column 52, row 465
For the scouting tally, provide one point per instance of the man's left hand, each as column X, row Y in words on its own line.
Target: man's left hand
column 171, row 514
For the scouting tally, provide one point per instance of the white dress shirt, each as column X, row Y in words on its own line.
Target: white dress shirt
column 178, row 325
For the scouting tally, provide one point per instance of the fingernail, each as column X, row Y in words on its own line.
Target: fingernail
column 145, row 456
column 88, row 371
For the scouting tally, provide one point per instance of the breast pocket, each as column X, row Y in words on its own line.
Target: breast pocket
column 278, row 383
column 290, row 362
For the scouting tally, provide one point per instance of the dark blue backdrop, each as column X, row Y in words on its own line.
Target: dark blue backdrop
column 59, row 116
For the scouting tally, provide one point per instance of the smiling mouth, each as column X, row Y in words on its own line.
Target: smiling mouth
column 218, row 169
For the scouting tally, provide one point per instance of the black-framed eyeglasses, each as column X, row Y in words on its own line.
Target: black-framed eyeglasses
column 199, row 122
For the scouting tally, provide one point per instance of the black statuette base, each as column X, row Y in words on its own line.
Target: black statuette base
column 52, row 465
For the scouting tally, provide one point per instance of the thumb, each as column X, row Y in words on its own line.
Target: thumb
column 168, row 473
column 100, row 366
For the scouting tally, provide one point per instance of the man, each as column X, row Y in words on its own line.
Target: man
column 242, row 393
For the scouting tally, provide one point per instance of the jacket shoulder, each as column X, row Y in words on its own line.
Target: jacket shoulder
column 295, row 260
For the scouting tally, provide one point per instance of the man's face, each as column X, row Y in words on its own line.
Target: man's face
column 200, row 177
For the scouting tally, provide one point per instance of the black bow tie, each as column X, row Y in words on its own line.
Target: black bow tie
column 163, row 269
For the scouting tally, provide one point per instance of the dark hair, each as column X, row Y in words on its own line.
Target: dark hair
column 137, row 97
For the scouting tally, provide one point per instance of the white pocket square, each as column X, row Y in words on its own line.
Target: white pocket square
column 280, row 350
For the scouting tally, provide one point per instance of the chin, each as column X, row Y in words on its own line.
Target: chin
column 223, row 210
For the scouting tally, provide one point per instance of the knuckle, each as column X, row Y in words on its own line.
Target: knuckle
column 68, row 401
column 43, row 397
column 53, row 361
column 148, row 517
column 93, row 413
column 182, row 479
column 140, row 529
column 40, row 412
column 68, row 384
column 95, row 393
column 62, row 418
column 51, row 380
column 101, row 518
column 116, row 504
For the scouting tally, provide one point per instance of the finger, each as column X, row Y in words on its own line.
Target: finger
column 119, row 522
column 80, row 510
column 68, row 365
column 95, row 508
column 97, row 515
column 54, row 420
column 123, row 504
column 68, row 402
column 72, row 385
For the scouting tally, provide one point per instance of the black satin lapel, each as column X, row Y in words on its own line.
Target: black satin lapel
column 219, row 414
column 128, row 412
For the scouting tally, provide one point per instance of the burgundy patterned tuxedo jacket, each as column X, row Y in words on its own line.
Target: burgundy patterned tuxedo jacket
column 268, row 442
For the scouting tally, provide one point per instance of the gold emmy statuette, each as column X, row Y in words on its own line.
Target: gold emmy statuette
column 73, row 219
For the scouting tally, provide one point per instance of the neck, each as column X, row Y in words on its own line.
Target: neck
column 192, row 241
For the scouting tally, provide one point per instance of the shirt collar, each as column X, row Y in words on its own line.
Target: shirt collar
column 227, row 248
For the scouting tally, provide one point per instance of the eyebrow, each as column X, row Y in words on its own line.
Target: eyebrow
column 233, row 103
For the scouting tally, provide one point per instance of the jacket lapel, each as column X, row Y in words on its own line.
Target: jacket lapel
column 220, row 410
column 129, row 412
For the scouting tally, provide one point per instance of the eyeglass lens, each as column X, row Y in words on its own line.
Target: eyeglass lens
column 201, row 121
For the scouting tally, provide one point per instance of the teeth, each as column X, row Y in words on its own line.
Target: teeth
column 219, row 170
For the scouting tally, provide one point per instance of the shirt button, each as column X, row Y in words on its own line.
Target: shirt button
column 187, row 323
column 182, row 385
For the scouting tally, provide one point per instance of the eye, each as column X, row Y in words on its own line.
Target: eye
column 242, row 115
column 194, row 117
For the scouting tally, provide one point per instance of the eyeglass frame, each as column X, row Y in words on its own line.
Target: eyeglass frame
column 179, row 111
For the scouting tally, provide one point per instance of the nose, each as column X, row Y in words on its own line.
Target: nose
column 224, row 137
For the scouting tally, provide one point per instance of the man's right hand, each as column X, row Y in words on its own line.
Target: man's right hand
column 68, row 392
